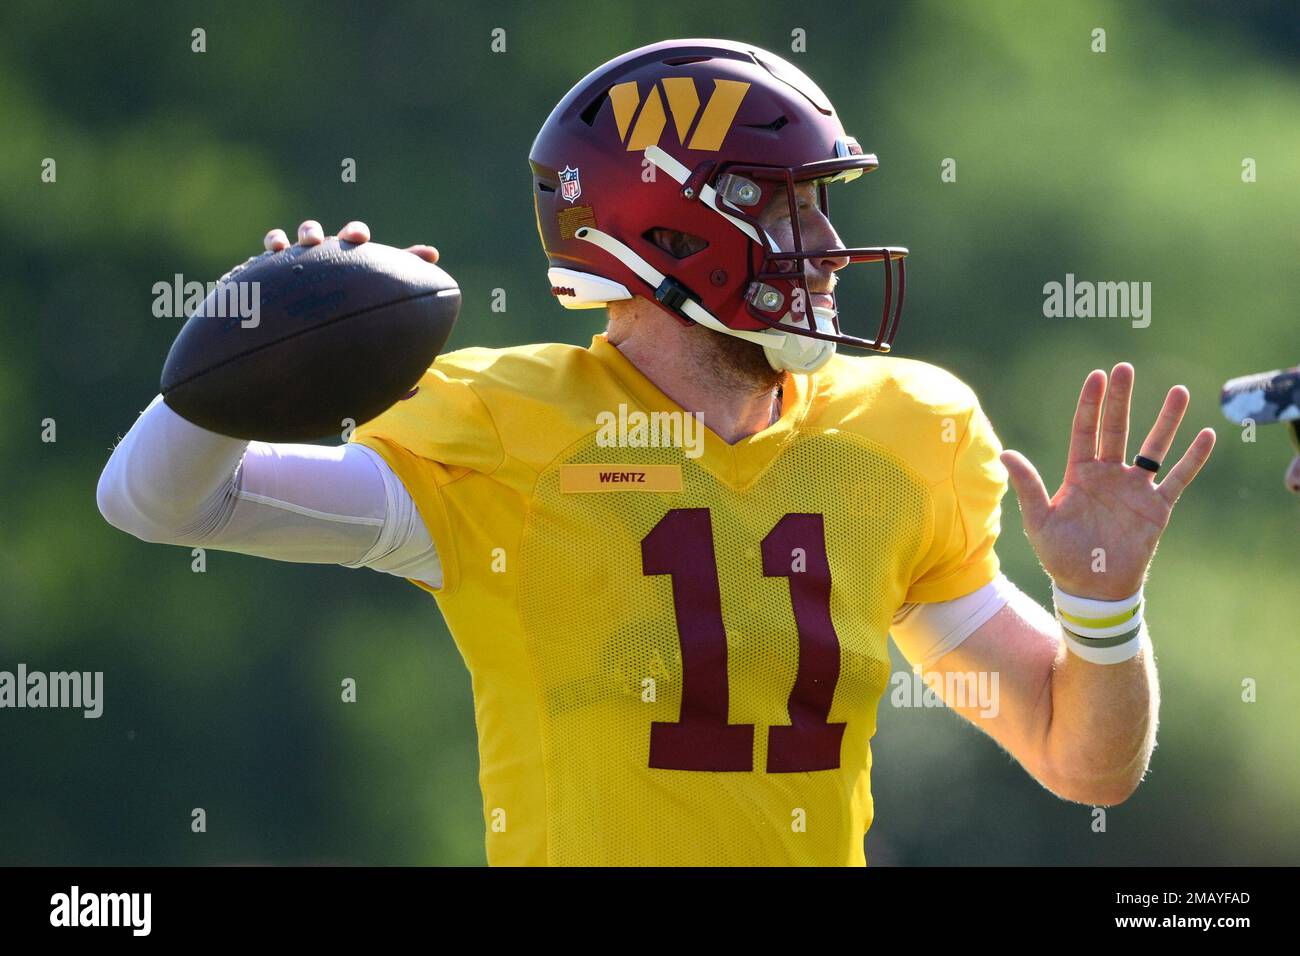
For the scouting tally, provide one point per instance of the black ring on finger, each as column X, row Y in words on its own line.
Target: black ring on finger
column 1147, row 464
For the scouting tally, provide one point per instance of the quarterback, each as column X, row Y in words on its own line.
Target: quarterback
column 677, row 649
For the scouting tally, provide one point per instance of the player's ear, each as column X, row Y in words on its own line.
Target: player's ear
column 677, row 244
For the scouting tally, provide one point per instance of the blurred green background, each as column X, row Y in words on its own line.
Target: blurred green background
column 222, row 688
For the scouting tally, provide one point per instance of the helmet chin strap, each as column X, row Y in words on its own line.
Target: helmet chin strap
column 803, row 354
column 654, row 278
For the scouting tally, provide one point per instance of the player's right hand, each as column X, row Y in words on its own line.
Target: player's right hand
column 311, row 233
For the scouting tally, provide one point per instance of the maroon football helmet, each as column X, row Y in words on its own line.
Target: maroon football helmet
column 696, row 136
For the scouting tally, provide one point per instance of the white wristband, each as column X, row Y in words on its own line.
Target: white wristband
column 1101, row 632
column 1091, row 608
column 1114, row 654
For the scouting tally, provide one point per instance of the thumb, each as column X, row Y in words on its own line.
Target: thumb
column 1034, row 501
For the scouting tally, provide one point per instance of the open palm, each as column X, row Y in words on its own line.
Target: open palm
column 1097, row 534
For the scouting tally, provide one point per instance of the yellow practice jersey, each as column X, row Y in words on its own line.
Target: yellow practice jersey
column 677, row 645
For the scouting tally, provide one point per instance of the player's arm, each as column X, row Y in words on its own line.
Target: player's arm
column 1084, row 731
column 170, row 481
column 1082, row 725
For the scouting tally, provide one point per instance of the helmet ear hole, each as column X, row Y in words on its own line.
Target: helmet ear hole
column 678, row 244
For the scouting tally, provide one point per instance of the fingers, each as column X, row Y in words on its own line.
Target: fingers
column 1161, row 437
column 1113, row 445
column 1181, row 475
column 1083, row 437
column 356, row 232
column 310, row 233
column 427, row 253
column 1034, row 502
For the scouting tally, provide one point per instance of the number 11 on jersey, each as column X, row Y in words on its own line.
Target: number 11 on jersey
column 681, row 546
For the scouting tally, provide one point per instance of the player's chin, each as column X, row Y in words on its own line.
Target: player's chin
column 741, row 365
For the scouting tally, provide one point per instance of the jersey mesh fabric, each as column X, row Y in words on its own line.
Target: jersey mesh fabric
column 601, row 686
column 578, row 612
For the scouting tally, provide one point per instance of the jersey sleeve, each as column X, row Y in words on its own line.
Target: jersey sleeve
column 434, row 437
column 967, row 518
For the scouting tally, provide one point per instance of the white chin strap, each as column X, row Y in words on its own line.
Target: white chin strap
column 801, row 353
column 785, row 353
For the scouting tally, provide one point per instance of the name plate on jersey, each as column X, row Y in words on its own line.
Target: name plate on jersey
column 577, row 479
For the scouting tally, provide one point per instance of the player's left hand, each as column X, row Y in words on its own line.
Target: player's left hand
column 1104, row 502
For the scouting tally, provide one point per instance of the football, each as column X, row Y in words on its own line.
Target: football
column 300, row 344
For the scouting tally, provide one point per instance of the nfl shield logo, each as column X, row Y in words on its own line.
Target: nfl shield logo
column 570, row 187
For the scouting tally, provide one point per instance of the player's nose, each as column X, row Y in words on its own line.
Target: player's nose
column 827, row 238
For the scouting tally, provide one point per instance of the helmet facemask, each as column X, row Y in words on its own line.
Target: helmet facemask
column 778, row 294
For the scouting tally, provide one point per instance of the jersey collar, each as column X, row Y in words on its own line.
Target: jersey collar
column 738, row 465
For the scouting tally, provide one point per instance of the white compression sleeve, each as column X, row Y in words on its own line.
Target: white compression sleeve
column 926, row 632
column 170, row 481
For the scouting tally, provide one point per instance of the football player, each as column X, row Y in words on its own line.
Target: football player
column 677, row 647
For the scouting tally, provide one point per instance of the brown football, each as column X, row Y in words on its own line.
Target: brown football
column 296, row 345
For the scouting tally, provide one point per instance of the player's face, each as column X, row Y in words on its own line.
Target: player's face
column 815, row 232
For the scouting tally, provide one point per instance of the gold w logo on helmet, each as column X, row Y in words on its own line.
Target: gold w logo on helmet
column 684, row 105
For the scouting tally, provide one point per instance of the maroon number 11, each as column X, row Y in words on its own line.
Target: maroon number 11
column 681, row 546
